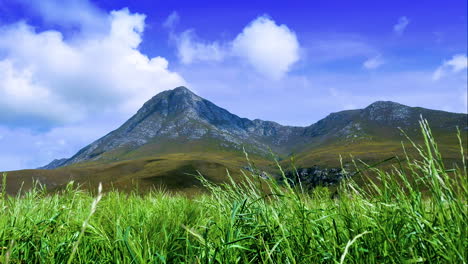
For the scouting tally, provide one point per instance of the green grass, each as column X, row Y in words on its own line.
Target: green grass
column 389, row 220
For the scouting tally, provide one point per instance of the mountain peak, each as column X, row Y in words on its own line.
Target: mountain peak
column 171, row 101
column 183, row 94
column 182, row 89
column 385, row 104
column 388, row 111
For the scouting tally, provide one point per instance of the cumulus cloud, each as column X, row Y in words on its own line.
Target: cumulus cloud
column 191, row 49
column 457, row 64
column 373, row 63
column 47, row 78
column 23, row 101
column 268, row 48
column 399, row 28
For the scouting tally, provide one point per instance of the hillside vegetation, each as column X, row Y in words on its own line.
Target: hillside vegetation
column 388, row 220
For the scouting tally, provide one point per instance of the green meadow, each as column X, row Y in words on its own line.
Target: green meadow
column 413, row 212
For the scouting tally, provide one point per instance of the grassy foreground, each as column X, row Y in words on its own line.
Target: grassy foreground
column 387, row 221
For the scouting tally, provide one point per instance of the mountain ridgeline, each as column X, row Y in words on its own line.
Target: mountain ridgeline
column 179, row 121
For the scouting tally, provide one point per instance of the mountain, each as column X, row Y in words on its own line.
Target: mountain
column 178, row 117
column 375, row 133
column 177, row 132
column 178, row 120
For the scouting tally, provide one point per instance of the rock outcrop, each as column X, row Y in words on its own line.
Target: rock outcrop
column 315, row 176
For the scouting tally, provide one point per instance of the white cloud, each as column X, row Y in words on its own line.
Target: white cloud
column 69, row 13
column 399, row 28
column 373, row 63
column 269, row 48
column 24, row 148
column 46, row 78
column 172, row 20
column 455, row 65
column 21, row 98
column 191, row 49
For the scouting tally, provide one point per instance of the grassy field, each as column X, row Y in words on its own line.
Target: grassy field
column 389, row 220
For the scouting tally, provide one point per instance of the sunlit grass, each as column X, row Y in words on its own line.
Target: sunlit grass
column 389, row 220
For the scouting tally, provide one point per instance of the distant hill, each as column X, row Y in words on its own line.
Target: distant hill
column 178, row 123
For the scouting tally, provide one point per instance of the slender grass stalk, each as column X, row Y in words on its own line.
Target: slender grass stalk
column 85, row 224
column 345, row 252
column 8, row 252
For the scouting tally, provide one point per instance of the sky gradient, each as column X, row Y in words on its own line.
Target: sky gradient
column 72, row 71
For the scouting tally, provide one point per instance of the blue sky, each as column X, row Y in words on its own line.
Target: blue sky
column 71, row 71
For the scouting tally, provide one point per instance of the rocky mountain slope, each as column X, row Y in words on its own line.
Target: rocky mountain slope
column 180, row 115
column 178, row 121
